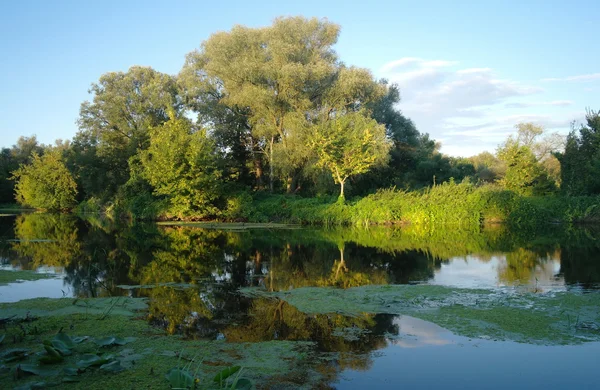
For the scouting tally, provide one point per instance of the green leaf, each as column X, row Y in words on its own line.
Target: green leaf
column 180, row 379
column 71, row 371
column 64, row 339
column 90, row 360
column 60, row 347
column 33, row 370
column 112, row 367
column 226, row 373
column 14, row 354
column 32, row 386
column 111, row 340
column 242, row 384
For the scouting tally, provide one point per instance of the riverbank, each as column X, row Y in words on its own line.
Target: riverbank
column 461, row 204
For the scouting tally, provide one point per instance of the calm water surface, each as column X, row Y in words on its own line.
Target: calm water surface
column 201, row 271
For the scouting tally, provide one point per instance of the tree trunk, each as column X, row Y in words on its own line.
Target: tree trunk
column 258, row 172
column 271, row 172
column 342, row 189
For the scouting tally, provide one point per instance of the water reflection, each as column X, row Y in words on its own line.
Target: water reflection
column 97, row 256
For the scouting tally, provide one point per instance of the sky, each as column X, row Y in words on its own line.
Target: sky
column 468, row 71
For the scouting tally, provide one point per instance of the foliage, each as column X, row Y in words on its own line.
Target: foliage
column 580, row 161
column 524, row 174
column 10, row 160
column 181, row 166
column 46, row 183
column 115, row 125
column 349, row 145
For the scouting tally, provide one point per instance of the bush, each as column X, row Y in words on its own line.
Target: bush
column 45, row 183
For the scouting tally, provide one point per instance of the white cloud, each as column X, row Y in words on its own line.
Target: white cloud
column 581, row 77
column 555, row 103
column 470, row 109
column 414, row 61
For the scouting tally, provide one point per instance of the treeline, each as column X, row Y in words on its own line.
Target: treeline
column 265, row 110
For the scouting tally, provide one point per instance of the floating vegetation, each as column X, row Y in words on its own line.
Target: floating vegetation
column 124, row 350
column 550, row 318
column 10, row 276
column 46, row 307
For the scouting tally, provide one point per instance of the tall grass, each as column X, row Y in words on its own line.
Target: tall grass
column 462, row 204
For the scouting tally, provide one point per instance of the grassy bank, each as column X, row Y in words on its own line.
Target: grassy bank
column 461, row 204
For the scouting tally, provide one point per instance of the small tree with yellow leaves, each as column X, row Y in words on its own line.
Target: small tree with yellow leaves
column 349, row 145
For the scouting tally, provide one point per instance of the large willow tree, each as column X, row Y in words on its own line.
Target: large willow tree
column 284, row 79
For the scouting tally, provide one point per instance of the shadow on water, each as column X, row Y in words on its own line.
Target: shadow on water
column 191, row 276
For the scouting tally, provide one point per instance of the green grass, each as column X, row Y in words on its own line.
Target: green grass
column 461, row 204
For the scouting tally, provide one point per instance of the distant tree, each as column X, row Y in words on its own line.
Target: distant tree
column 11, row 159
column 181, row 166
column 45, row 183
column 524, row 174
column 580, row 161
column 114, row 125
column 488, row 168
column 349, row 145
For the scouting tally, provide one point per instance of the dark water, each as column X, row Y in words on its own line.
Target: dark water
column 191, row 276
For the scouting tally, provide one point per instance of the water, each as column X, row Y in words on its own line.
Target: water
column 191, row 277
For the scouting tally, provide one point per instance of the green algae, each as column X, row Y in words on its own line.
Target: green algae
column 9, row 276
column 149, row 354
column 49, row 307
column 550, row 318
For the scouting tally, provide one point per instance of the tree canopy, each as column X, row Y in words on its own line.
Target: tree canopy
column 45, row 183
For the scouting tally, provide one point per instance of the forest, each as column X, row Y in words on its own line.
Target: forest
column 270, row 125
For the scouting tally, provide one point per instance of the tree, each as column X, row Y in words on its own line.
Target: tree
column 181, row 166
column 285, row 77
column 524, row 174
column 11, row 159
column 349, row 145
column 46, row 183
column 114, row 125
column 580, row 162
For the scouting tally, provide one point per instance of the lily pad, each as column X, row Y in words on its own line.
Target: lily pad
column 12, row 355
column 30, row 369
column 111, row 340
column 180, row 379
column 112, row 367
column 226, row 373
column 91, row 360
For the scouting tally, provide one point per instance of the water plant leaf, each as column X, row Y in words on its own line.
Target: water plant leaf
column 111, row 340
column 2, row 336
column 60, row 347
column 91, row 360
column 32, row 386
column 242, row 384
column 112, row 367
column 70, row 371
column 33, row 370
column 180, row 379
column 14, row 354
column 64, row 339
column 226, row 373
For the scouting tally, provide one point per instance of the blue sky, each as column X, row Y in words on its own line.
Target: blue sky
column 468, row 70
